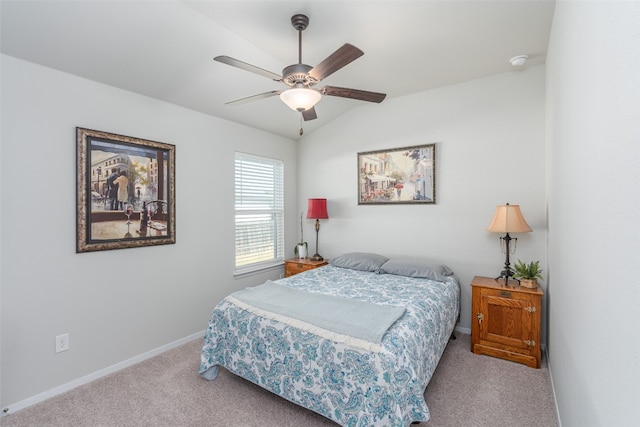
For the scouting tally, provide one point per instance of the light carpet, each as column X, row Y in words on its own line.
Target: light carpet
column 466, row 390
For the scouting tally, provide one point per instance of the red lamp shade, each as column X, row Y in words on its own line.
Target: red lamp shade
column 317, row 209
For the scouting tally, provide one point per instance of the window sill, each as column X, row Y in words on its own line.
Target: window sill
column 259, row 270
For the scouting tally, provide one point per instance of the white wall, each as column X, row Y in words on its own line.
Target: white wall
column 114, row 304
column 593, row 107
column 490, row 151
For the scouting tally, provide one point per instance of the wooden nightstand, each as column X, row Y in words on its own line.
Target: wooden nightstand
column 298, row 265
column 505, row 320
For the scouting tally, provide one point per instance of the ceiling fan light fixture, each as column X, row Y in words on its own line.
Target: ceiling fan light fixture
column 300, row 99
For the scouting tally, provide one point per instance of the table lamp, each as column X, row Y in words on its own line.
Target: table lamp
column 317, row 209
column 508, row 219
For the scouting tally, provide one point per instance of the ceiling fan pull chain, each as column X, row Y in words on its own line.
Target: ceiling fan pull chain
column 301, row 131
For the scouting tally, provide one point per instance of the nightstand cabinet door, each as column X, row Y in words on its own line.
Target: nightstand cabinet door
column 506, row 321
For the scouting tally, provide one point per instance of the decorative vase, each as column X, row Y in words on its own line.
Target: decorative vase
column 302, row 251
column 529, row 283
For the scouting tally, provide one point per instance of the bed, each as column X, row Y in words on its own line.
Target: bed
column 352, row 379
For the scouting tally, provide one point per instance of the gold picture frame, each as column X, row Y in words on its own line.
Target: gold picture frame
column 125, row 192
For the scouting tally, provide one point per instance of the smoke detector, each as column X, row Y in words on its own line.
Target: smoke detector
column 518, row 61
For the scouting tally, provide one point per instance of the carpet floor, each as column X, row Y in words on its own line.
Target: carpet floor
column 465, row 390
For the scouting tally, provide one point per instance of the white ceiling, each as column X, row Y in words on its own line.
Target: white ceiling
column 165, row 49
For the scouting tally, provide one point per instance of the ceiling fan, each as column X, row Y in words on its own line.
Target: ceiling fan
column 301, row 78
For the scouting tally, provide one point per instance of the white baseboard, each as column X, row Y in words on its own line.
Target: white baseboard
column 95, row 375
column 462, row 330
column 553, row 389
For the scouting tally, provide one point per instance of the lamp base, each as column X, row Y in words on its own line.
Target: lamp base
column 316, row 257
column 507, row 274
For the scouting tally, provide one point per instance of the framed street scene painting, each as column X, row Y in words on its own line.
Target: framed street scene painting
column 397, row 176
column 125, row 191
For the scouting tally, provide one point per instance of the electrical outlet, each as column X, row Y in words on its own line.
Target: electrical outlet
column 62, row 343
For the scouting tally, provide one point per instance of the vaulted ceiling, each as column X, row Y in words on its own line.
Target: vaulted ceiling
column 165, row 49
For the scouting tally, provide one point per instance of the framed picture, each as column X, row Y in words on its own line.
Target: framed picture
column 397, row 176
column 125, row 192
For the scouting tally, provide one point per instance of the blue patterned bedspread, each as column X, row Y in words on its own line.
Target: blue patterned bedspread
column 351, row 386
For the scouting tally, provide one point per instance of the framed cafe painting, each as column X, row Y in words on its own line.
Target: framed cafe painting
column 125, row 191
column 397, row 176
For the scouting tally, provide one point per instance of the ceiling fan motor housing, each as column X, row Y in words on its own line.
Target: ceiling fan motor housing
column 297, row 74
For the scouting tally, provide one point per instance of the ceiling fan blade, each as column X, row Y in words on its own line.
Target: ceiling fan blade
column 309, row 114
column 338, row 59
column 361, row 95
column 254, row 97
column 248, row 67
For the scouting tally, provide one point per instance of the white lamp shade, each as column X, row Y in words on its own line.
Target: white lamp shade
column 508, row 219
column 300, row 99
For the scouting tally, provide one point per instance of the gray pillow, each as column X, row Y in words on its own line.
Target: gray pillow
column 415, row 267
column 362, row 261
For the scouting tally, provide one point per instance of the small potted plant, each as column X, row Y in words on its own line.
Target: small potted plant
column 528, row 274
column 301, row 248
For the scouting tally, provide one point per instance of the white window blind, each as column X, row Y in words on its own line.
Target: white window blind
column 259, row 221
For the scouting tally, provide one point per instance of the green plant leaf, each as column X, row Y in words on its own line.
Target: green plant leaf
column 523, row 270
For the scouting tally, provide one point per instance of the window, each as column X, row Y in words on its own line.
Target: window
column 259, row 221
